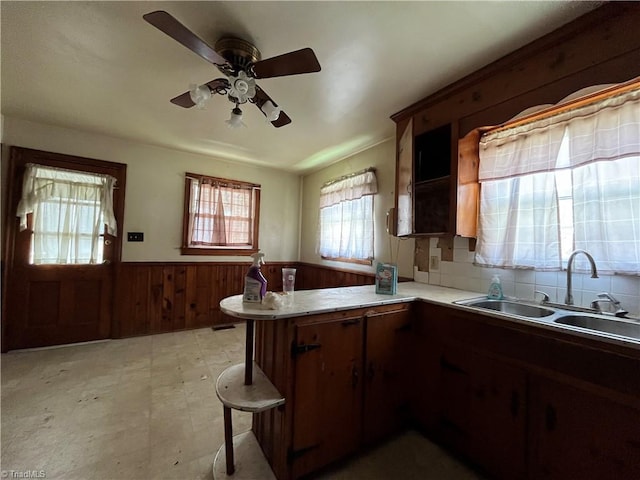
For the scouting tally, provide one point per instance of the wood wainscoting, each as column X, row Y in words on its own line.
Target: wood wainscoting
column 163, row 297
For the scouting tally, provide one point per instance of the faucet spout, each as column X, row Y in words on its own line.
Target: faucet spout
column 568, row 299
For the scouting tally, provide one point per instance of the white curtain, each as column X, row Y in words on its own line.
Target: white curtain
column 70, row 210
column 346, row 217
column 520, row 222
column 606, row 208
column 221, row 214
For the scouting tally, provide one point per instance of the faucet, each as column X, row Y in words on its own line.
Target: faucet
column 568, row 299
column 607, row 297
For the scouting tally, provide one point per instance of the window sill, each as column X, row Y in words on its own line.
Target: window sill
column 232, row 252
column 349, row 260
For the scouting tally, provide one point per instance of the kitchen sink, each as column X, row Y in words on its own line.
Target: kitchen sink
column 614, row 326
column 510, row 307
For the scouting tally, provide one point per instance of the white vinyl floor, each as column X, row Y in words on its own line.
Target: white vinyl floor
column 146, row 408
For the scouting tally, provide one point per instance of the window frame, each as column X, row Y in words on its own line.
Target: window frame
column 186, row 249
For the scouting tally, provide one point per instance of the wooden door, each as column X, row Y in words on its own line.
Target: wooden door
column 387, row 374
column 56, row 304
column 404, row 182
column 497, row 425
column 327, row 393
column 579, row 434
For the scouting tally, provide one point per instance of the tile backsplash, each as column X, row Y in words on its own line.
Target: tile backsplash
column 461, row 273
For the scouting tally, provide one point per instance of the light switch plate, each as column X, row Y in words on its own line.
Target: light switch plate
column 135, row 237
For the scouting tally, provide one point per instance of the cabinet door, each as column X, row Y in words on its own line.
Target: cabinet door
column 497, row 425
column 404, row 182
column 441, row 389
column 387, row 367
column 579, row 434
column 327, row 400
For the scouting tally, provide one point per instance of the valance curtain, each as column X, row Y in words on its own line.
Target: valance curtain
column 520, row 219
column 70, row 209
column 220, row 213
column 349, row 188
column 346, row 217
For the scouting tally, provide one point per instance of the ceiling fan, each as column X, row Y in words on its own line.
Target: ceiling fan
column 241, row 64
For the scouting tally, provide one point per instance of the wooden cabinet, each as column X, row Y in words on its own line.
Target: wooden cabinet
column 327, row 394
column 426, row 180
column 466, row 400
column 346, row 378
column 522, row 403
column 498, row 417
column 387, row 374
column 577, row 433
column 516, row 400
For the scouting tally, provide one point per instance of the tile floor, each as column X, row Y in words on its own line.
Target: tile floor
column 146, row 408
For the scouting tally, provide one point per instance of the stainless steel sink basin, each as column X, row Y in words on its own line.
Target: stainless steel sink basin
column 510, row 307
column 613, row 326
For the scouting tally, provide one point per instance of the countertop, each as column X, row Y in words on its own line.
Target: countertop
column 310, row 302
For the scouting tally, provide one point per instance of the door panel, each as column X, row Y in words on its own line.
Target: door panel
column 327, row 394
column 387, row 374
column 56, row 304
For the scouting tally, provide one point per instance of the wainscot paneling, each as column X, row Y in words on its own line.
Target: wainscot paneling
column 164, row 297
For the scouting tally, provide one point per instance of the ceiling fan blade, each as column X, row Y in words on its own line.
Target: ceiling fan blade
column 261, row 98
column 292, row 63
column 172, row 27
column 185, row 101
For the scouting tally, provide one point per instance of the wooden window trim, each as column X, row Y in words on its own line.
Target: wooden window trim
column 358, row 261
column 185, row 249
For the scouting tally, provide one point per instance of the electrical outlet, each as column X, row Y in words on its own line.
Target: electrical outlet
column 434, row 263
column 135, row 237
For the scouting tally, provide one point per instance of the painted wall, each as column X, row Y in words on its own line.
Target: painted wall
column 386, row 248
column 462, row 274
column 155, row 190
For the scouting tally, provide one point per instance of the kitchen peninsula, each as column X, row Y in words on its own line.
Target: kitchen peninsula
column 516, row 397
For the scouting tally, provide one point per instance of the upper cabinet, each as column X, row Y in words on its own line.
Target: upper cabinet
column 436, row 162
column 426, row 180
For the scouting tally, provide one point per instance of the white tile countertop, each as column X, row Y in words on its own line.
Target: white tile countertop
column 310, row 302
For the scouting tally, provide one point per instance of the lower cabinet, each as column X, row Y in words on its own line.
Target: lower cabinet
column 518, row 405
column 327, row 399
column 516, row 401
column 387, row 374
column 576, row 433
column 467, row 401
column 346, row 378
column 498, row 417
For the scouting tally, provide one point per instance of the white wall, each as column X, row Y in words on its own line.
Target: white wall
column 155, row 190
column 382, row 157
column 461, row 273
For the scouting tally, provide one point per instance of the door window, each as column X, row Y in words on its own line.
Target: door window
column 70, row 211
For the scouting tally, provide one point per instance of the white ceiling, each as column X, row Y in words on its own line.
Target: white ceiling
column 97, row 66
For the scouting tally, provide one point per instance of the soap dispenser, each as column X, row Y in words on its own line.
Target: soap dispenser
column 495, row 289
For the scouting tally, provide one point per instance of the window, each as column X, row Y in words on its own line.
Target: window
column 69, row 212
column 221, row 216
column 568, row 180
column 345, row 232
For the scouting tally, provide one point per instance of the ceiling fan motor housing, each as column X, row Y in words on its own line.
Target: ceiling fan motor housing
column 239, row 53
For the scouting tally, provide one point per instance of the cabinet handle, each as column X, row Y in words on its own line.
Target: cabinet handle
column 447, row 365
column 371, row 372
column 551, row 418
column 515, row 403
column 348, row 323
column 354, row 376
column 403, row 328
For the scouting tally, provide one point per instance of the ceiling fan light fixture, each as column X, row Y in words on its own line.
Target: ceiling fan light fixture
column 199, row 95
column 242, row 88
column 271, row 111
column 235, row 120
